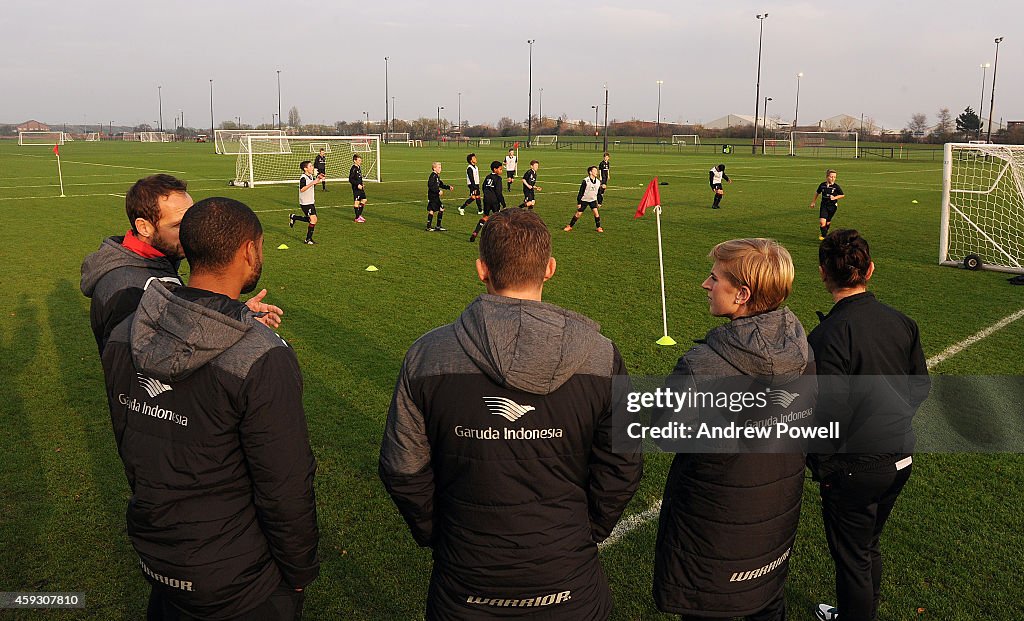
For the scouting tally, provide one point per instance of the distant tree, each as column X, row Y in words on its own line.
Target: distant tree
column 918, row 125
column 293, row 117
column 968, row 123
column 508, row 127
column 943, row 125
column 144, row 127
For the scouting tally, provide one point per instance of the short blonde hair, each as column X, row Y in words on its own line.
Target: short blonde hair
column 762, row 265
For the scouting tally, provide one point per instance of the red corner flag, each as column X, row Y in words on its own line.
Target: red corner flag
column 652, row 198
column 516, row 145
column 55, row 151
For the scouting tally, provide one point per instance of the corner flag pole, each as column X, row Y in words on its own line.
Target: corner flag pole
column 60, row 175
column 666, row 339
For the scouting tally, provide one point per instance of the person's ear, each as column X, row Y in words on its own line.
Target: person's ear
column 144, row 227
column 821, row 272
column 549, row 271
column 482, row 272
column 743, row 295
column 871, row 271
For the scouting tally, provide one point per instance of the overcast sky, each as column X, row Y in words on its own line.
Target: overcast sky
column 96, row 61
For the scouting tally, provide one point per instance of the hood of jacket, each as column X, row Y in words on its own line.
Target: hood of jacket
column 769, row 345
column 112, row 255
column 177, row 330
column 524, row 344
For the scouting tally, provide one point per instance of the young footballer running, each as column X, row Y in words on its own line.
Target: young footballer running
column 494, row 200
column 830, row 193
column 530, row 185
column 715, row 177
column 587, row 197
column 320, row 164
column 435, row 188
column 511, row 161
column 355, row 177
column 604, row 167
column 473, row 183
column 307, row 202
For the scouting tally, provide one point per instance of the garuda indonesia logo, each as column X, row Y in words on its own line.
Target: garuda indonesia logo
column 507, row 408
column 781, row 397
column 153, row 387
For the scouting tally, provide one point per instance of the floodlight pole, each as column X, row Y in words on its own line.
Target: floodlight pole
column 764, row 129
column 796, row 113
column 757, row 92
column 386, row 130
column 657, row 133
column 540, row 113
column 605, row 149
column 439, row 108
column 992, row 102
column 460, row 113
column 211, row 110
column 529, row 115
column 981, row 102
column 160, row 98
column 596, row 108
column 278, row 99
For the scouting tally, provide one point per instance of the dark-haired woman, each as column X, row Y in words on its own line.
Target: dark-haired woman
column 876, row 379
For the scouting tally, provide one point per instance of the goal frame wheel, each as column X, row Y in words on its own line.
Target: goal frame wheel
column 972, row 262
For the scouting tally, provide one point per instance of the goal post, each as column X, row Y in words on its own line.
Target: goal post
column 776, row 146
column 229, row 141
column 397, row 137
column 264, row 160
column 826, row 144
column 982, row 218
column 45, row 139
column 545, row 140
column 92, row 137
column 686, row 140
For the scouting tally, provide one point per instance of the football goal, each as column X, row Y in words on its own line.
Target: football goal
column 982, row 219
column 773, row 146
column 92, row 137
column 825, row 144
column 47, row 139
column 229, row 141
column 397, row 137
column 266, row 160
column 155, row 137
column 485, row 142
column 545, row 141
column 685, row 139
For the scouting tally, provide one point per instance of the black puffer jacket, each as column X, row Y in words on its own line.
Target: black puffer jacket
column 206, row 406
column 497, row 451
column 728, row 521
column 115, row 277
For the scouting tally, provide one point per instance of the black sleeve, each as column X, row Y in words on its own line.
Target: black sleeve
column 120, row 305
column 500, row 192
column 711, row 178
column 469, row 175
column 353, row 176
column 838, row 191
column 920, row 383
column 275, row 440
column 614, row 477
column 303, row 184
column 404, row 466
column 725, row 177
column 831, row 344
column 821, row 188
column 433, row 184
column 583, row 188
column 119, row 373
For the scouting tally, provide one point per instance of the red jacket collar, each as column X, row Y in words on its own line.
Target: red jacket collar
column 144, row 250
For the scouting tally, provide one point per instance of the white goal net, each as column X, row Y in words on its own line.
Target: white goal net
column 155, row 137
column 545, row 141
column 397, row 137
column 686, row 139
column 229, row 141
column 48, row 139
column 774, row 146
column 825, row 144
column 275, row 159
column 983, row 206
column 92, row 137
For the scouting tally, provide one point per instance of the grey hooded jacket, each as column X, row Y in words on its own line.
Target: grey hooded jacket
column 497, row 452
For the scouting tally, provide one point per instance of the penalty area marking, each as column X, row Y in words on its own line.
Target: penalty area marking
column 637, row 520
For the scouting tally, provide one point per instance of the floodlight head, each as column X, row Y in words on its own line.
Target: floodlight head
column 985, row 65
column 999, row 40
column 800, row 75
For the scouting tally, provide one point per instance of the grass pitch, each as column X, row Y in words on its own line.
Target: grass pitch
column 951, row 546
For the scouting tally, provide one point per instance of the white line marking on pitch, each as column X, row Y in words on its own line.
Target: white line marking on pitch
column 635, row 521
column 953, row 350
column 628, row 525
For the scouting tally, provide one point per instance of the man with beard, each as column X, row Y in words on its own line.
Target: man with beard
column 207, row 412
column 115, row 276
